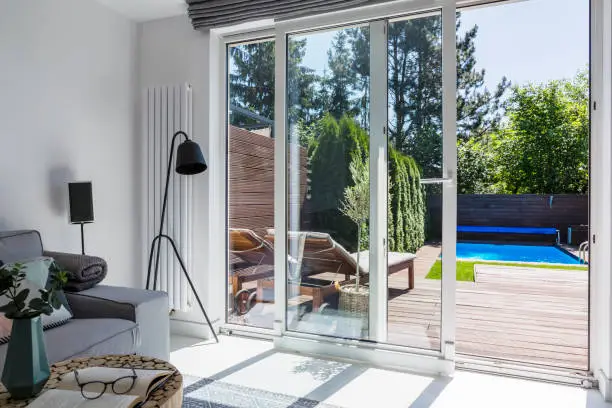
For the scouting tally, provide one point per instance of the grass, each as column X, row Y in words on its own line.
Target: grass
column 465, row 269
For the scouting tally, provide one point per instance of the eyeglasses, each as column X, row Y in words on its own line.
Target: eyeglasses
column 92, row 390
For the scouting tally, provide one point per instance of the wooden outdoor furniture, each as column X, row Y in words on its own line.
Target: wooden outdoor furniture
column 251, row 258
column 307, row 291
column 323, row 254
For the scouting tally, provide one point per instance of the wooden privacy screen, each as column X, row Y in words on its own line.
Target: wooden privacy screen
column 251, row 180
column 521, row 210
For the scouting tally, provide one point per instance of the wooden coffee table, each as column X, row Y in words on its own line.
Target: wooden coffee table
column 309, row 289
column 170, row 395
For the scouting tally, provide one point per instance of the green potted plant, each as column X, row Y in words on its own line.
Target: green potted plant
column 26, row 369
column 354, row 298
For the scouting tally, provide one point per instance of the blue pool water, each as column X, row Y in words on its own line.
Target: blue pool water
column 514, row 253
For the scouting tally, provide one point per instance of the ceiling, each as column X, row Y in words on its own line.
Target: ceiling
column 144, row 10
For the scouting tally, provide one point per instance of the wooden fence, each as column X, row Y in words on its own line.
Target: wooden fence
column 523, row 210
column 251, row 180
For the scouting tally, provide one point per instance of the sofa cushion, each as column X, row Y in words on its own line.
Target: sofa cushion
column 20, row 245
column 37, row 272
column 87, row 337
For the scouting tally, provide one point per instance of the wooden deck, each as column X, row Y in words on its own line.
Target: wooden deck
column 525, row 315
column 518, row 314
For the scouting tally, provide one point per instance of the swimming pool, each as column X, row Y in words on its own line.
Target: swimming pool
column 514, row 253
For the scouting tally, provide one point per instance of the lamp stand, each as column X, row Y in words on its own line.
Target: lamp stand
column 83, row 238
column 155, row 244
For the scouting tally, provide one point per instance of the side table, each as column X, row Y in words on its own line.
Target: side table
column 170, row 395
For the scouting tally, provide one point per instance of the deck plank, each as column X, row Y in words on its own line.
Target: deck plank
column 521, row 314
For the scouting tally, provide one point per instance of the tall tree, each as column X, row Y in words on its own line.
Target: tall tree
column 479, row 110
column 301, row 82
column 544, row 148
column 359, row 40
column 415, row 89
column 251, row 82
column 341, row 82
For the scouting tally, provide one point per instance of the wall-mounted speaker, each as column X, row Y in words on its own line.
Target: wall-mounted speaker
column 80, row 199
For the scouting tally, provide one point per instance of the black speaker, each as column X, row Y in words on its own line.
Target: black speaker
column 81, row 202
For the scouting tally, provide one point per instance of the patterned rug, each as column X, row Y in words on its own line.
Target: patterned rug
column 207, row 393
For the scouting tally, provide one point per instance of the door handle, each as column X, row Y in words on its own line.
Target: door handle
column 445, row 180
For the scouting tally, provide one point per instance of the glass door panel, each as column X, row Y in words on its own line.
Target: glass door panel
column 328, row 81
column 250, row 183
column 415, row 153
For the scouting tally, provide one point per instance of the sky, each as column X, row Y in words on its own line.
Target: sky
column 527, row 41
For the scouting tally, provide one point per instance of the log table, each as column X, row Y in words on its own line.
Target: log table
column 170, row 395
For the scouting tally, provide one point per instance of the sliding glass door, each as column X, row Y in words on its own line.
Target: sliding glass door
column 369, row 133
column 415, row 180
column 328, row 196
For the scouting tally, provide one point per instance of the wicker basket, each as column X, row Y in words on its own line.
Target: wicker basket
column 353, row 300
column 354, row 303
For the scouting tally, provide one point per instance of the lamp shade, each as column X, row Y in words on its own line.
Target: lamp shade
column 189, row 159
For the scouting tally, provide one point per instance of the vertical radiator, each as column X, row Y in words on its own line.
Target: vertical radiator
column 168, row 109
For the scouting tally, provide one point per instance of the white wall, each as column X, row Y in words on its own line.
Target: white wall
column 67, row 87
column 172, row 52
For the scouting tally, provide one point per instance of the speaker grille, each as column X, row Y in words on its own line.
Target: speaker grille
column 81, row 202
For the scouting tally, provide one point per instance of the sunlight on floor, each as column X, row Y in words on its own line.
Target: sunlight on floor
column 254, row 364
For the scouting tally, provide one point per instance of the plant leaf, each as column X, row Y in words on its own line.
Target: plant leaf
column 37, row 304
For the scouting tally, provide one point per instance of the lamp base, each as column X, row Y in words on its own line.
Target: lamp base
column 157, row 240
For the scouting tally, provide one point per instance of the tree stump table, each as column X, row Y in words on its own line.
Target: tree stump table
column 170, row 395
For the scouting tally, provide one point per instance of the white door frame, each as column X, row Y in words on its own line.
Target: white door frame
column 600, row 282
column 601, row 168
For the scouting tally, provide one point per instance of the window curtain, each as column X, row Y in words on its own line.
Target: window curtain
column 207, row 14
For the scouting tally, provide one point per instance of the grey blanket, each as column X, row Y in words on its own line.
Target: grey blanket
column 84, row 271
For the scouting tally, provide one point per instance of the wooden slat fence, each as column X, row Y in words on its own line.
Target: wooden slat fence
column 251, row 180
column 521, row 210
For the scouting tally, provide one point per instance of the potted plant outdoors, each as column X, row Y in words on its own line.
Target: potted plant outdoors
column 26, row 368
column 354, row 298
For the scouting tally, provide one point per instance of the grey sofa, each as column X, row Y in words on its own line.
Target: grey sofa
column 107, row 319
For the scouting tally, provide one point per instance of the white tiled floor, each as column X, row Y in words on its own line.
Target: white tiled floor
column 254, row 363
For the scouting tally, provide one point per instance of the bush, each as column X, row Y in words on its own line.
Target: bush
column 330, row 158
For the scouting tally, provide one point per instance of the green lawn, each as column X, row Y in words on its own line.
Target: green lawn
column 465, row 269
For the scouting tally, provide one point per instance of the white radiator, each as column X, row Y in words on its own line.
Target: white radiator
column 168, row 109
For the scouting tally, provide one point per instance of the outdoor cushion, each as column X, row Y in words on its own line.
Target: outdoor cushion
column 393, row 258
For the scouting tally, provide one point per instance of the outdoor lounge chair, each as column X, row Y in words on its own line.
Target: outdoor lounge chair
column 251, row 258
column 323, row 254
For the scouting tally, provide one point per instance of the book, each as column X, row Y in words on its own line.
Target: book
column 68, row 392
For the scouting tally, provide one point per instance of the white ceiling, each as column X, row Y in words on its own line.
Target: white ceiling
column 144, row 10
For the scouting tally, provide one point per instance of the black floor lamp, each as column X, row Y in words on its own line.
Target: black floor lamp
column 189, row 161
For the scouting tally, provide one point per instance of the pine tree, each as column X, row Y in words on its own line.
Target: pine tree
column 251, row 81
column 415, row 89
column 341, row 82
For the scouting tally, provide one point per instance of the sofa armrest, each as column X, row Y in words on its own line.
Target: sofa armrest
column 148, row 309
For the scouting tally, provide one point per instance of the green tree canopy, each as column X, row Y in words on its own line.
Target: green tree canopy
column 251, row 81
column 336, row 147
column 541, row 148
column 544, row 149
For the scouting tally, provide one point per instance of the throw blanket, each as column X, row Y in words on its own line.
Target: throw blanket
column 84, row 271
